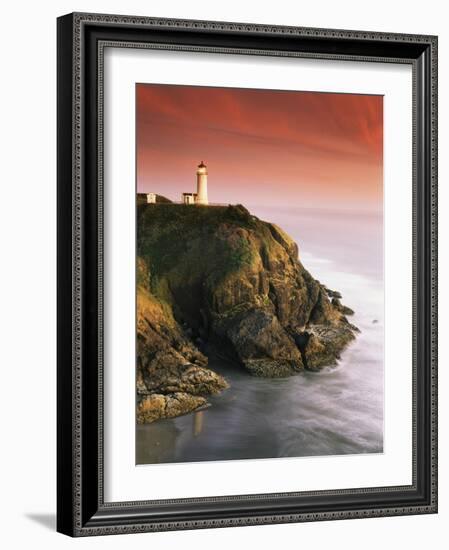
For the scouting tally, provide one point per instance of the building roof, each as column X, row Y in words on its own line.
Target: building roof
column 202, row 165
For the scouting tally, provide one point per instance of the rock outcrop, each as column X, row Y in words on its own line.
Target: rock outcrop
column 219, row 279
column 172, row 377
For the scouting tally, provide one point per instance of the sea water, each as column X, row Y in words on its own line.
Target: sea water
column 336, row 411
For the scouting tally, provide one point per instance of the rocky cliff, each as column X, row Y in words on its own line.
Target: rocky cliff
column 219, row 280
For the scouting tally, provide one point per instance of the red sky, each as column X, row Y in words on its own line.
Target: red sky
column 261, row 146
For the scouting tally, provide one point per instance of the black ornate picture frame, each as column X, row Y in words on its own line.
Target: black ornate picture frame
column 81, row 509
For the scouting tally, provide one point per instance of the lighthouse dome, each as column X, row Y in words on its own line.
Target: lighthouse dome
column 202, row 168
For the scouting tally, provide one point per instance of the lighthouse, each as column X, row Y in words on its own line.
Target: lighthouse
column 201, row 184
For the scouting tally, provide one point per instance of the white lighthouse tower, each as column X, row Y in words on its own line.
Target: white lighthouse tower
column 201, row 182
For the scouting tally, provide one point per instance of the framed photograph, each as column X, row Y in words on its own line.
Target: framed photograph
column 247, row 283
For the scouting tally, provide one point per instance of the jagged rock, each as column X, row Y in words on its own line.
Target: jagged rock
column 260, row 343
column 321, row 345
column 219, row 277
column 333, row 293
column 341, row 308
column 154, row 406
column 172, row 377
column 167, row 371
column 315, row 353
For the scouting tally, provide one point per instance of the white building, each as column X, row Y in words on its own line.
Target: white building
column 200, row 197
column 189, row 198
column 201, row 184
